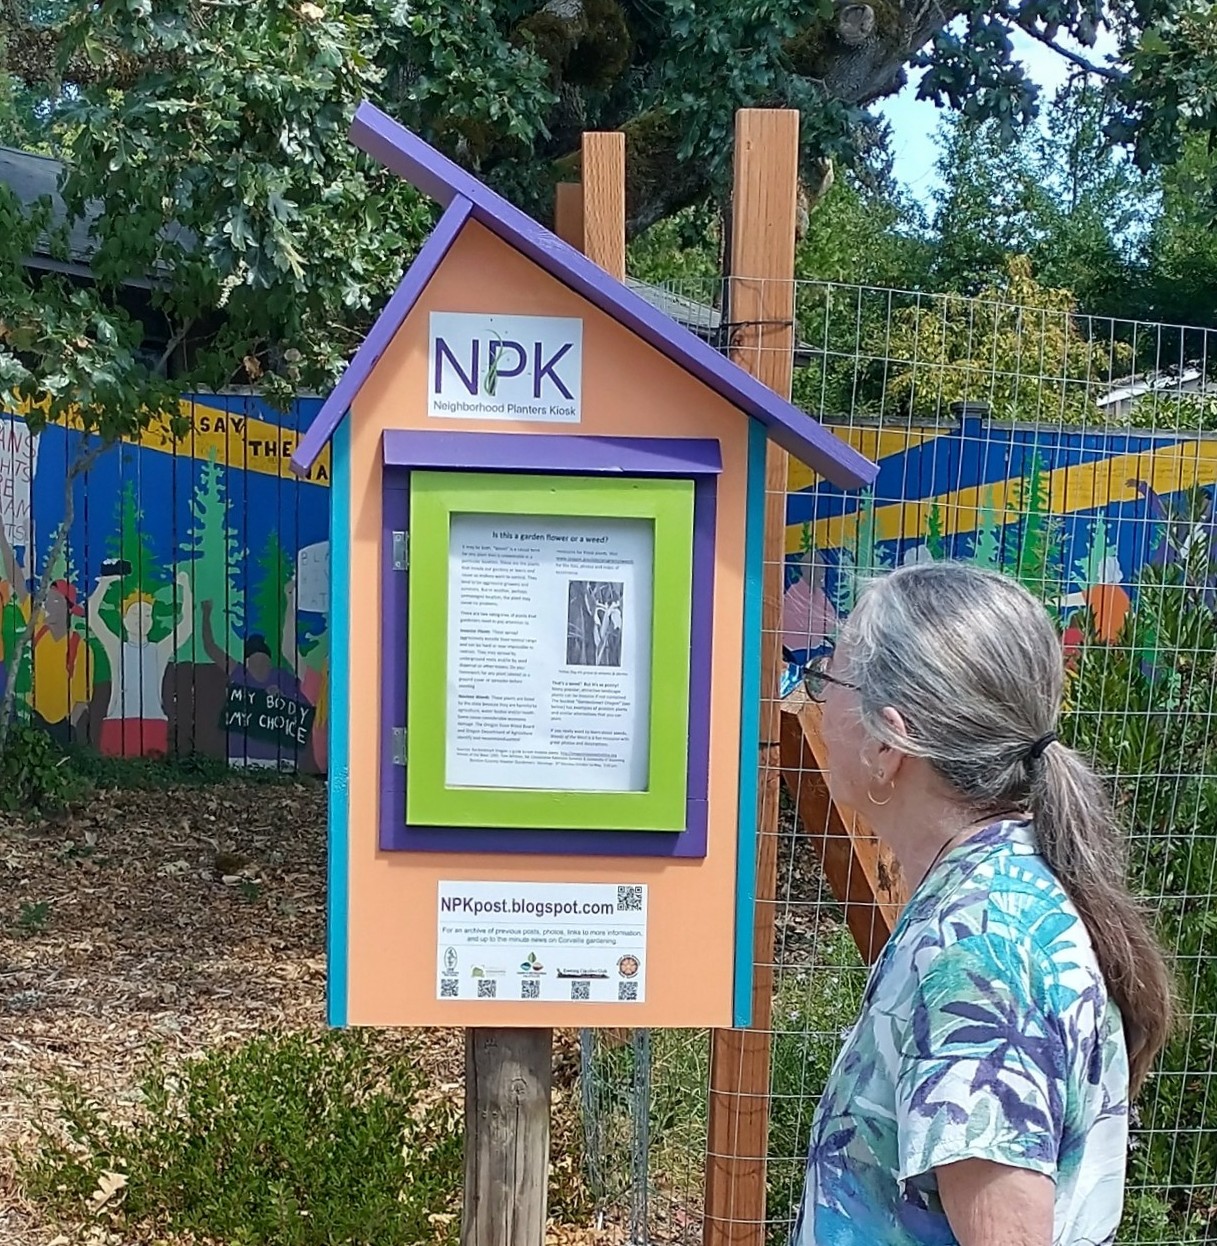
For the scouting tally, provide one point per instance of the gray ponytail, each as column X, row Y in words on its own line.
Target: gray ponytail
column 974, row 665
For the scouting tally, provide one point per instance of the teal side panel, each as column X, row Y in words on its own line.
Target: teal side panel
column 338, row 880
column 750, row 724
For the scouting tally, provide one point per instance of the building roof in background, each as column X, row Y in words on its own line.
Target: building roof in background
column 1169, row 382
column 33, row 177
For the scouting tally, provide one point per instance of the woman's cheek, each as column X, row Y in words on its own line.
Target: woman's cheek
column 843, row 760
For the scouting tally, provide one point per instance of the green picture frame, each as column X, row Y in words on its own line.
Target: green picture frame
column 435, row 497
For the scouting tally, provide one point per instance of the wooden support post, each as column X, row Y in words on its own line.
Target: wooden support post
column 761, row 303
column 568, row 213
column 861, row 871
column 507, row 1099
column 604, row 201
column 508, row 1072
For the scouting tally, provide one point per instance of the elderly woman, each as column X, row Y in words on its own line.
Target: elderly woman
column 982, row 1097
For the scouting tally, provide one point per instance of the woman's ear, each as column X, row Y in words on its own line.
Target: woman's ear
column 886, row 759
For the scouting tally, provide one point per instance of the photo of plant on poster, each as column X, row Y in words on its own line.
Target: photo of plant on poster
column 593, row 622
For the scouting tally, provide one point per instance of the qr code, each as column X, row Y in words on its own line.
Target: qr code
column 627, row 992
column 449, row 988
column 530, row 988
column 580, row 990
column 488, row 988
column 629, row 899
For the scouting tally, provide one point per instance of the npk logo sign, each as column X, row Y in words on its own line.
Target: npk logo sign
column 505, row 367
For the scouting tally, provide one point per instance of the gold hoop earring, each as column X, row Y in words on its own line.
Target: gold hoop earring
column 878, row 803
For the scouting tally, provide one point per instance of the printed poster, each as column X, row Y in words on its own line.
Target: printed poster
column 18, row 460
column 505, row 367
column 549, row 653
column 556, row 942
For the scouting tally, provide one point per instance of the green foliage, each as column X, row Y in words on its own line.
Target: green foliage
column 863, row 235
column 1062, row 196
column 1017, row 346
column 1169, row 92
column 35, row 916
column 681, row 252
column 157, row 774
column 811, row 1009
column 861, row 238
column 214, row 142
column 1180, row 266
column 35, row 775
column 285, row 1141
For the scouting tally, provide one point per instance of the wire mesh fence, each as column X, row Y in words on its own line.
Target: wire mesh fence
column 1070, row 452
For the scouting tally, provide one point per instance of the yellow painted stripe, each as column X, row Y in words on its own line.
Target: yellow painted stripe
column 872, row 443
column 1078, row 487
column 235, row 440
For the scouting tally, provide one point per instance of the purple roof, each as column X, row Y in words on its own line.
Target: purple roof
column 465, row 197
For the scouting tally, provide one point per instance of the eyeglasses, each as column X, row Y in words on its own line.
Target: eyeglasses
column 816, row 678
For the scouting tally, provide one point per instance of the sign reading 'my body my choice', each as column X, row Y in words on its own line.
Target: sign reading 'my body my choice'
column 505, row 367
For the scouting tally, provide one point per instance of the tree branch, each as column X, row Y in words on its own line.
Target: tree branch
column 34, row 55
column 178, row 338
column 1074, row 58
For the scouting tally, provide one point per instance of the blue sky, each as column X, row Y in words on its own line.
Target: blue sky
column 915, row 123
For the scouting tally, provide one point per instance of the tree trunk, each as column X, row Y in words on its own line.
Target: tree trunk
column 508, row 1076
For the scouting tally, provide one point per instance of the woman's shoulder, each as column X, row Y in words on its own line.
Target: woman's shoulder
column 1004, row 902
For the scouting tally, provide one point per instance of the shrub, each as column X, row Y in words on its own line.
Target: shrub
column 286, row 1141
column 35, row 774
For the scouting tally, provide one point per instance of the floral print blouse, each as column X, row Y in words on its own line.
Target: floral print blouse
column 985, row 1032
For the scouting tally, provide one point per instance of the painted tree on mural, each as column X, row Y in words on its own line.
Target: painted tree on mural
column 986, row 548
column 138, row 569
column 866, row 559
column 1034, row 555
column 270, row 604
column 212, row 558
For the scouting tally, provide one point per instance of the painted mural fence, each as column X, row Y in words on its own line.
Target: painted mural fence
column 188, row 613
column 1078, row 515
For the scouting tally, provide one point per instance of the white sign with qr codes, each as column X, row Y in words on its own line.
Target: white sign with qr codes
column 554, row 942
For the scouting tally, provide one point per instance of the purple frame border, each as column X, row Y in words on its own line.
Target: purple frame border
column 700, row 460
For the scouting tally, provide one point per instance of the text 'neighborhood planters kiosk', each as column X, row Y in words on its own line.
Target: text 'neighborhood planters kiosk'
column 546, row 578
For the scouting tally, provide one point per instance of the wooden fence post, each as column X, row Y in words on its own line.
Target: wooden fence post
column 568, row 213
column 604, row 201
column 507, row 1100
column 761, row 306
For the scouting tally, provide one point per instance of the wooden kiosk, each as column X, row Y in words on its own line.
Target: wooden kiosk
column 546, row 575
